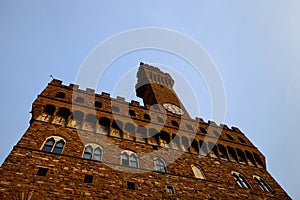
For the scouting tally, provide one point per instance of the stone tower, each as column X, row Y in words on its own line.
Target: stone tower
column 84, row 145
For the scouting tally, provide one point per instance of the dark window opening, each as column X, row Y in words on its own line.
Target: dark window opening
column 141, row 134
column 170, row 189
column 222, row 152
column 132, row 113
column 50, row 109
column 42, row 171
column 216, row 133
column 241, row 156
column 258, row 160
column 115, row 109
column 130, row 185
column 232, row 154
column 146, row 116
column 98, row 104
column 203, row 148
column 88, row 179
column 242, row 140
column 250, row 159
column 213, row 152
column 90, row 122
column 78, row 116
column 160, row 120
column 185, row 143
column 164, row 139
column 189, row 127
column 194, row 147
column 203, row 130
column 79, row 100
column 63, row 112
column 229, row 137
column 174, row 123
column 156, row 107
column 60, row 95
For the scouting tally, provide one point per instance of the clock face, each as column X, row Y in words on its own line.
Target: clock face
column 173, row 108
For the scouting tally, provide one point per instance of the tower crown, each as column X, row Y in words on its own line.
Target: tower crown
column 148, row 74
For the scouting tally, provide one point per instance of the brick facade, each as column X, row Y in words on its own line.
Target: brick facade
column 81, row 118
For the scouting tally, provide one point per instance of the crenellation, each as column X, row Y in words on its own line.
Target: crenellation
column 136, row 104
column 120, row 99
column 90, row 91
column 56, row 82
column 74, row 133
column 105, row 95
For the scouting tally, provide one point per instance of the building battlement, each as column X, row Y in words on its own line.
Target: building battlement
column 85, row 145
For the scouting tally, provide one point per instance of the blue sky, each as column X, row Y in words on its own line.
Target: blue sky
column 254, row 44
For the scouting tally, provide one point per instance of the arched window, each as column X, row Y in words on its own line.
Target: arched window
column 241, row 140
column 76, row 119
column 129, row 131
column 62, row 116
column 98, row 154
column 175, row 144
column 240, row 180
column 47, row 113
column 262, row 184
column 141, row 134
column 185, row 143
column 250, row 159
column 59, row 147
column 258, row 161
column 125, row 159
column 198, row 172
column 222, row 152
column 229, row 136
column 232, row 154
column 194, row 147
column 129, row 159
column 88, row 152
column 164, row 139
column 103, row 126
column 93, row 152
column 116, row 128
column 160, row 165
column 153, row 135
column 90, row 122
column 49, row 145
column 203, row 148
column 160, row 120
column 54, row 144
column 241, row 156
column 213, row 152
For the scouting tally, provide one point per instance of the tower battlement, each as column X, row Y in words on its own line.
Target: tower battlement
column 85, row 145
